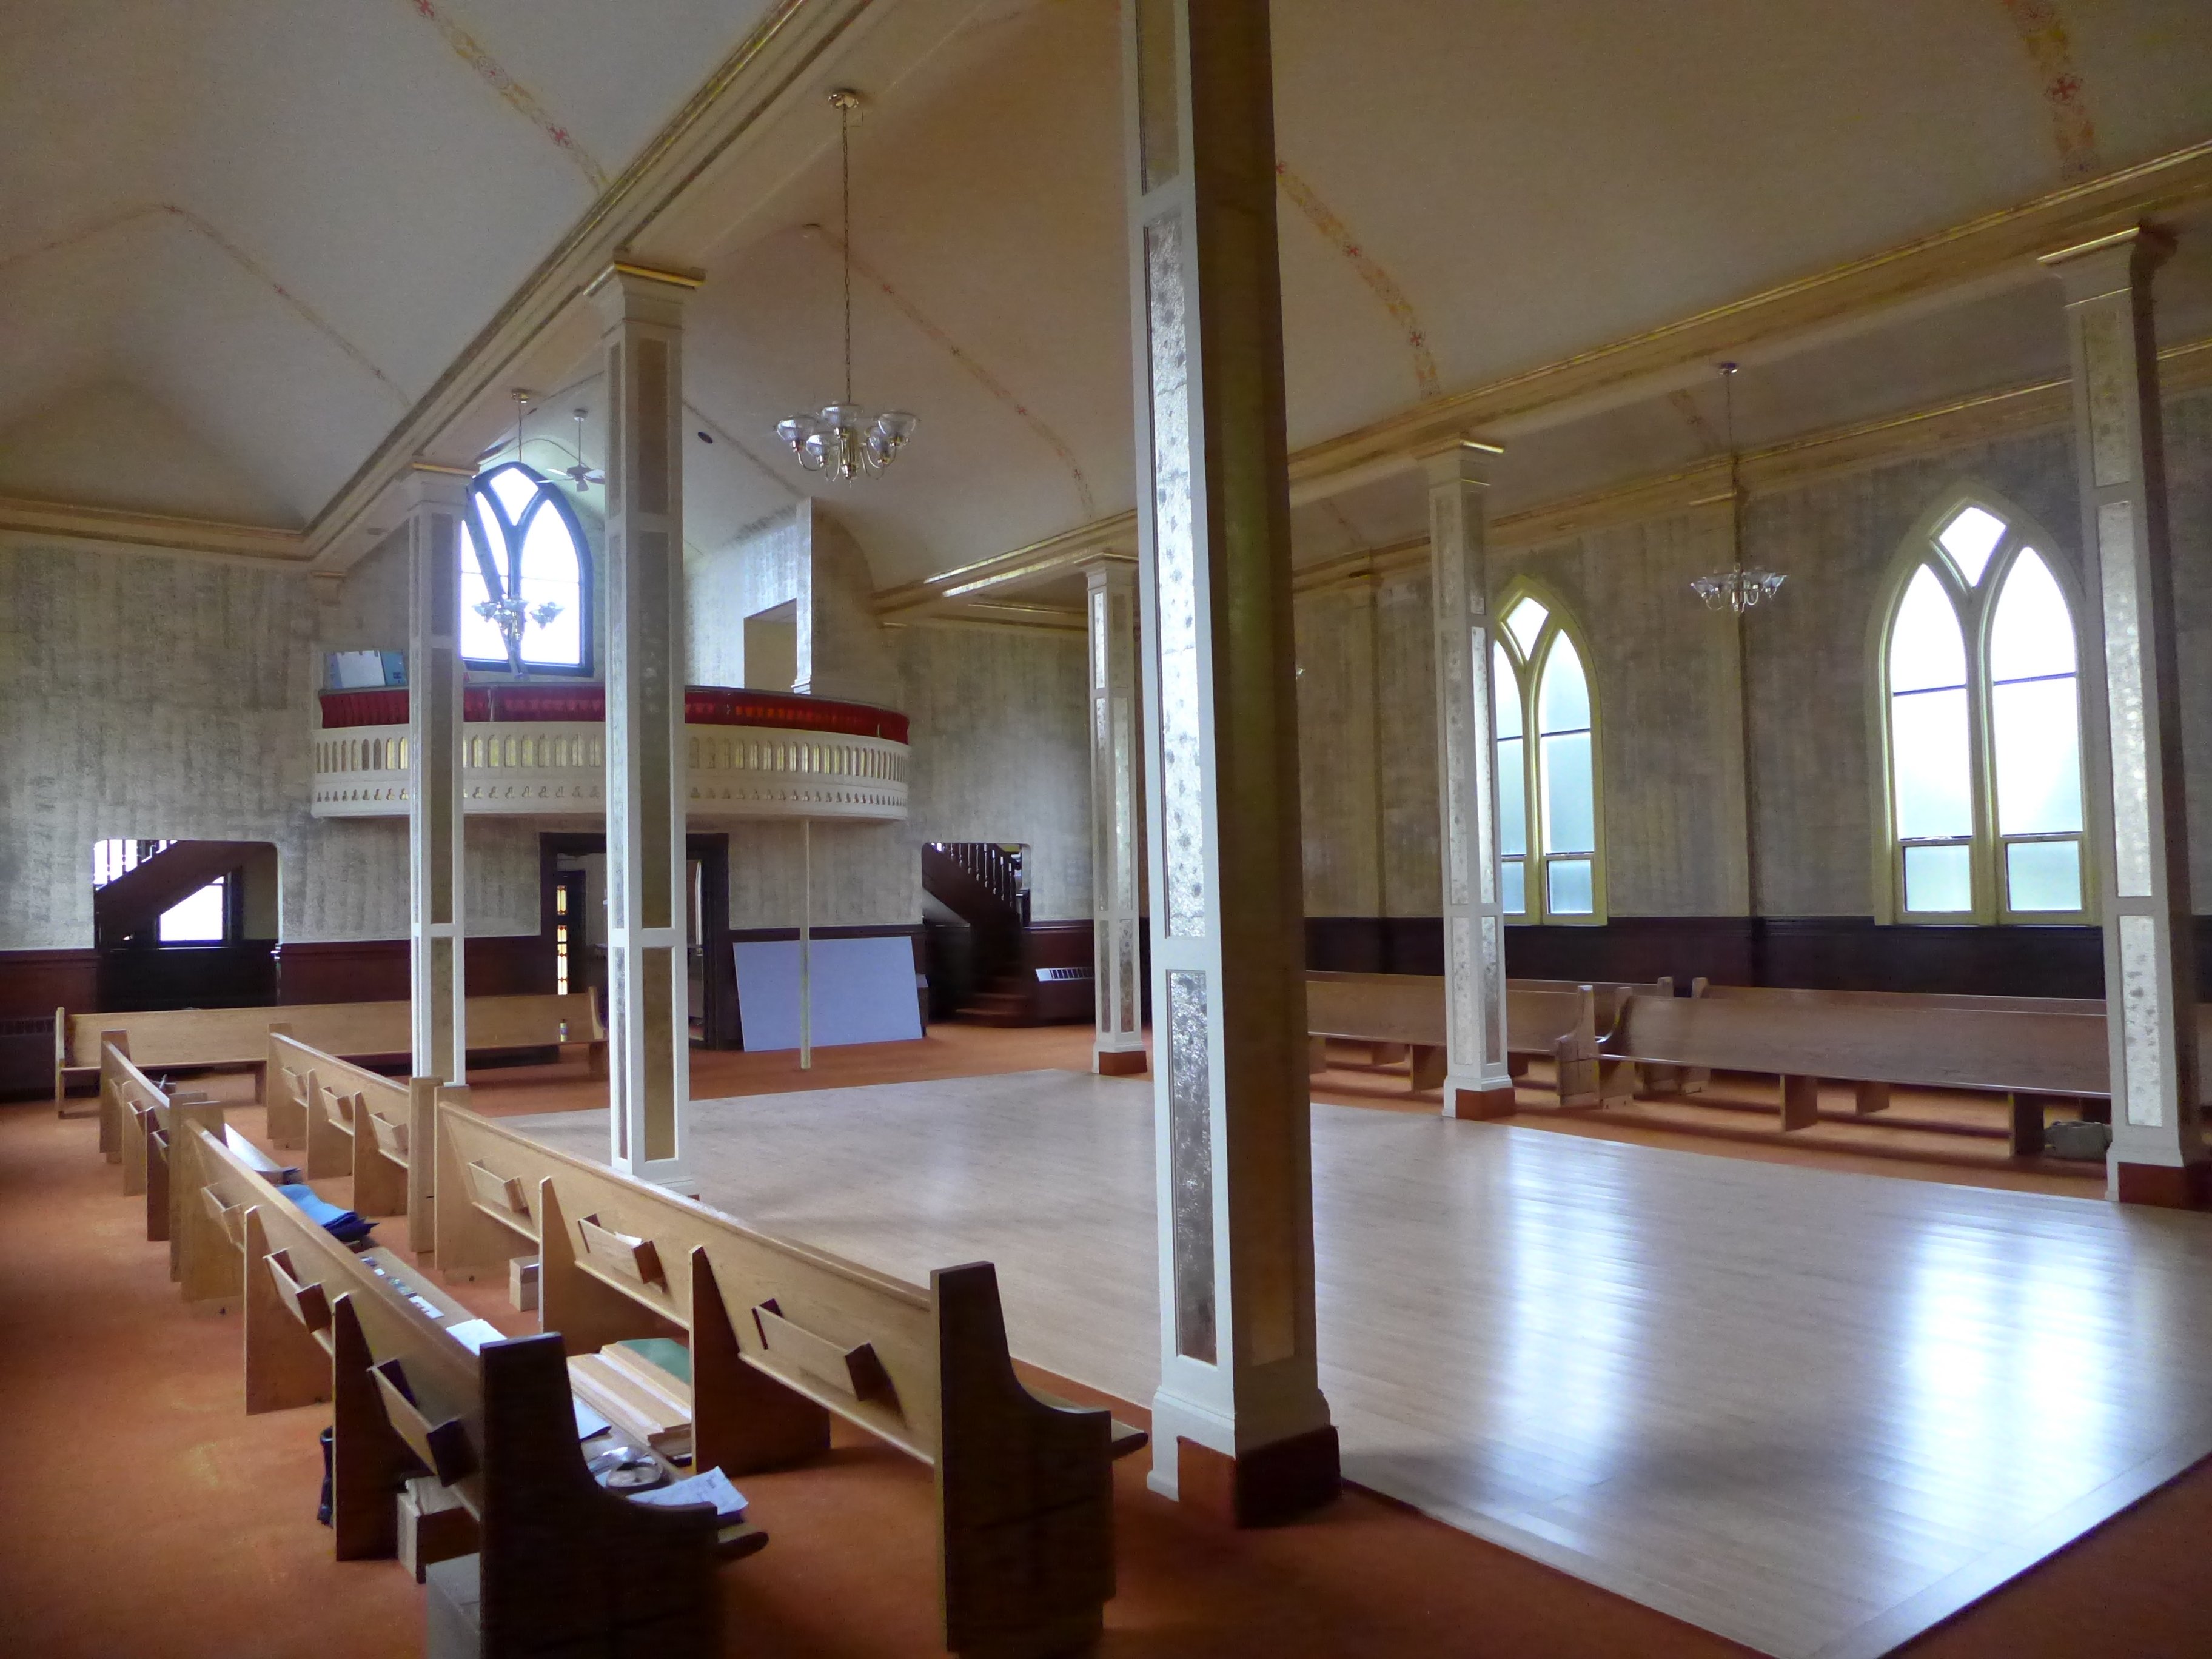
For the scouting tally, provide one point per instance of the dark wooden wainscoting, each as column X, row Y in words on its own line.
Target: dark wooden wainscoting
column 375, row 969
column 1827, row 953
column 32, row 984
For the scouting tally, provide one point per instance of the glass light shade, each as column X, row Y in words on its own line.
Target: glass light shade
column 796, row 430
column 897, row 425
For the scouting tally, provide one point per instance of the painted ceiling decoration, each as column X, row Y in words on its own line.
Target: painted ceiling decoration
column 1379, row 282
column 2043, row 32
column 237, row 255
column 525, row 102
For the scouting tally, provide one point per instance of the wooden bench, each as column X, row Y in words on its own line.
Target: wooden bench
column 563, row 1566
column 781, row 1336
column 1556, row 1019
column 236, row 1039
column 2037, row 1060
column 356, row 1123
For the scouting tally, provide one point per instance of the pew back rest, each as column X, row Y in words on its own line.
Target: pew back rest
column 534, row 1021
column 245, row 1205
column 1937, row 1048
column 1376, row 1007
column 197, row 1037
column 1781, row 994
column 292, row 1062
column 798, row 1313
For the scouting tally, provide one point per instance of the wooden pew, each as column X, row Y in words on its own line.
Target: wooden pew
column 2037, row 1059
column 1556, row 1019
column 355, row 1122
column 564, row 1566
column 1875, row 1097
column 236, row 1039
column 781, row 1336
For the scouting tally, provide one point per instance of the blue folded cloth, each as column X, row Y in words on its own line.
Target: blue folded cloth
column 343, row 1225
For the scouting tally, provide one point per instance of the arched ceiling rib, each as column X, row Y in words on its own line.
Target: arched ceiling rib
column 1468, row 191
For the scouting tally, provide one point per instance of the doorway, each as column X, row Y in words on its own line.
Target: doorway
column 573, row 911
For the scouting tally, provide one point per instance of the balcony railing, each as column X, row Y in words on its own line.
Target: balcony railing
column 542, row 750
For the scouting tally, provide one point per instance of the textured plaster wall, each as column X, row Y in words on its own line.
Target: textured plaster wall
column 1666, row 679
column 865, row 875
column 760, row 567
column 154, row 695
column 999, row 750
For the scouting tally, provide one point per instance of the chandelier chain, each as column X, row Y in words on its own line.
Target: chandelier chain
column 843, row 440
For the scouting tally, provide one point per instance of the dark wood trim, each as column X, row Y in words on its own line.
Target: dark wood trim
column 1833, row 953
column 377, row 969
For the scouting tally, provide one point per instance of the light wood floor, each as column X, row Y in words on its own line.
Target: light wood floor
column 1815, row 1413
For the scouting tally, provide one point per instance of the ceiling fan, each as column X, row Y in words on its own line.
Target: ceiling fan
column 581, row 476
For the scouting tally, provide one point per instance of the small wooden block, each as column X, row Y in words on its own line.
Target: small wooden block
column 1800, row 1101
column 433, row 1525
column 522, row 1283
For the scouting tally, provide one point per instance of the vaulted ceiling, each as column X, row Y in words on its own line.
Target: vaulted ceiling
column 243, row 239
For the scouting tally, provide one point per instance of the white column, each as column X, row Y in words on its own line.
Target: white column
column 2150, row 966
column 1239, row 1425
column 1118, row 1048
column 648, row 1027
column 1476, row 1082
column 437, row 930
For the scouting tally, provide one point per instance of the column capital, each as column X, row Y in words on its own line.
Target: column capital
column 1461, row 459
column 433, row 484
column 2105, row 264
column 1101, row 568
column 628, row 291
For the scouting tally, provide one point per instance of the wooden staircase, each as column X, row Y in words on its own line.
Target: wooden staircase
column 981, row 881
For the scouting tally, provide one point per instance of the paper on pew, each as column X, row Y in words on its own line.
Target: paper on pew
column 588, row 1422
column 711, row 1487
column 473, row 1333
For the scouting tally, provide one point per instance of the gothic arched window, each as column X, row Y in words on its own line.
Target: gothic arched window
column 1982, row 730
column 1549, row 865
column 523, row 563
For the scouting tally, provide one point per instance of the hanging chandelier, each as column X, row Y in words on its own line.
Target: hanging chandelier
column 1735, row 589
column 844, row 440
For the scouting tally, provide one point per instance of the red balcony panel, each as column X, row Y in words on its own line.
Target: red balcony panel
column 703, row 705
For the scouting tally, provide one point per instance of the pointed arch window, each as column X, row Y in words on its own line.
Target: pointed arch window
column 1982, row 728
column 524, row 547
column 1549, row 862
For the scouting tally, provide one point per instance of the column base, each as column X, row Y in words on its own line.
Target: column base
column 1479, row 1103
column 1120, row 1062
column 2164, row 1186
column 1265, row 1486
